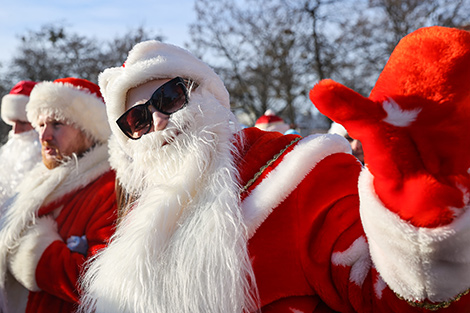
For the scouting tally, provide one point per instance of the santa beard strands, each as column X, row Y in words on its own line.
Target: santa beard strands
column 188, row 244
column 18, row 156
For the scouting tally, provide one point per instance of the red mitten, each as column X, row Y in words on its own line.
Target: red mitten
column 415, row 125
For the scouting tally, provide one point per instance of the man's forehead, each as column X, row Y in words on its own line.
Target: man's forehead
column 49, row 117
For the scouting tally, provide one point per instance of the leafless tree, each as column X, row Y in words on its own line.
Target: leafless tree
column 255, row 49
column 53, row 52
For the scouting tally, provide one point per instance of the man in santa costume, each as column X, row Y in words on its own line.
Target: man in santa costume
column 64, row 211
column 22, row 151
column 219, row 219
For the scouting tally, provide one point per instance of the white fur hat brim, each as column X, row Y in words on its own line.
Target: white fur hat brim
column 14, row 108
column 73, row 105
column 150, row 60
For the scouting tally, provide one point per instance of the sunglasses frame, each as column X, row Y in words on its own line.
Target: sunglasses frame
column 158, row 93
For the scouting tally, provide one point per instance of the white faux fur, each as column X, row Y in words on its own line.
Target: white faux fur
column 14, row 108
column 416, row 263
column 155, row 60
column 18, row 156
column 291, row 171
column 397, row 116
column 23, row 260
column 42, row 187
column 69, row 103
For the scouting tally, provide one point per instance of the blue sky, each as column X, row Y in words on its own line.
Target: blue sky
column 99, row 19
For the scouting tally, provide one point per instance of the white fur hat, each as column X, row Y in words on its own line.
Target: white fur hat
column 14, row 103
column 73, row 100
column 150, row 60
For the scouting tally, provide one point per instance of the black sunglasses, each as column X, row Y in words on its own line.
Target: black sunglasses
column 167, row 99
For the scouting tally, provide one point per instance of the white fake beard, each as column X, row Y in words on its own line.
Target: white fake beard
column 183, row 247
column 17, row 156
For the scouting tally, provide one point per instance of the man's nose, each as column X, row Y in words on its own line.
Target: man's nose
column 46, row 133
column 160, row 121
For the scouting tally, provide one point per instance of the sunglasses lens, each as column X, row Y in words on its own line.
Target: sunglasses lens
column 170, row 97
column 135, row 122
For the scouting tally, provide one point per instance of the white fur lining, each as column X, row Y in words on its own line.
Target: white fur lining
column 23, row 260
column 14, row 108
column 416, row 263
column 282, row 180
column 398, row 117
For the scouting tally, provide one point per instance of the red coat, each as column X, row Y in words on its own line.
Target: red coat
column 308, row 246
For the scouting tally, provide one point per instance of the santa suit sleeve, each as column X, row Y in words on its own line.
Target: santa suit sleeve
column 59, row 268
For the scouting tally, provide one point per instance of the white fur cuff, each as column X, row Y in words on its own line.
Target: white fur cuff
column 416, row 263
column 23, row 260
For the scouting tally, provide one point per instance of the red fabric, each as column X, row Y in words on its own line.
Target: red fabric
column 292, row 250
column 80, row 83
column 90, row 211
column 23, row 87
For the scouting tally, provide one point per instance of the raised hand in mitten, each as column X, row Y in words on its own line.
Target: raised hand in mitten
column 415, row 125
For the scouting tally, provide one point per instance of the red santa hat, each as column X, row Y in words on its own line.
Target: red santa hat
column 271, row 122
column 14, row 103
column 72, row 100
column 151, row 60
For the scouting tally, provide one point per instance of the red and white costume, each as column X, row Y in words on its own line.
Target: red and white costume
column 38, row 270
column 324, row 234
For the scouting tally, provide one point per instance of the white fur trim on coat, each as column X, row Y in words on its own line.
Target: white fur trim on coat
column 14, row 108
column 150, row 60
column 416, row 263
column 291, row 171
column 23, row 260
column 70, row 104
